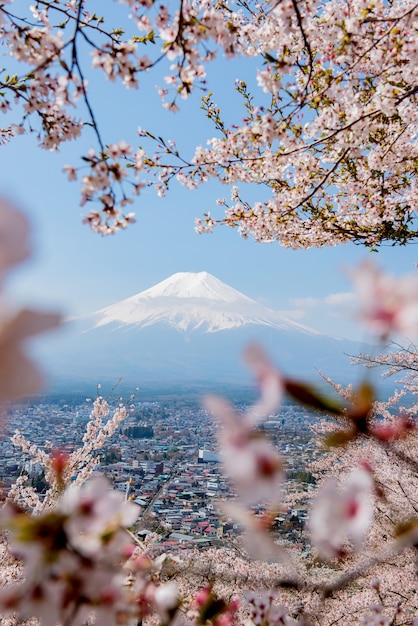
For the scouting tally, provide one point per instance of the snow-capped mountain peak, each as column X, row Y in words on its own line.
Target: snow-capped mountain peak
column 192, row 300
column 194, row 285
column 189, row 327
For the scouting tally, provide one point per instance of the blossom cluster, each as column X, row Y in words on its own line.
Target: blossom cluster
column 71, row 556
column 330, row 134
column 77, row 466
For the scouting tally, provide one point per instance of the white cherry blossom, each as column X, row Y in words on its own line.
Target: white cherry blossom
column 388, row 304
column 342, row 513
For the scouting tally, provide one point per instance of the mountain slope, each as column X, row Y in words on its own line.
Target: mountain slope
column 189, row 301
column 190, row 327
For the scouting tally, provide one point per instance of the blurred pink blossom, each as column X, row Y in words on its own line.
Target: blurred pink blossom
column 342, row 513
column 249, row 459
column 389, row 304
column 269, row 380
column 14, row 236
column 18, row 375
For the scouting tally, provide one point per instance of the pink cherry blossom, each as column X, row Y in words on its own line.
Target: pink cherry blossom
column 96, row 511
column 389, row 305
column 18, row 374
column 71, row 556
column 270, row 382
column 340, row 514
column 14, row 236
column 249, row 459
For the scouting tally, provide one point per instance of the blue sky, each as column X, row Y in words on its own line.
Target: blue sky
column 76, row 271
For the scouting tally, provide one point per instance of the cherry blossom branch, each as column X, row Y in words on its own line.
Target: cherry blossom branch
column 76, row 63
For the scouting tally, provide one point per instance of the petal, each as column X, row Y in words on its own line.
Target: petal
column 222, row 411
column 27, row 323
column 14, row 236
column 270, row 380
column 18, row 375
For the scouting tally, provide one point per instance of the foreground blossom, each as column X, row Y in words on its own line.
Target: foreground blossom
column 19, row 376
column 270, row 382
column 71, row 556
column 94, row 512
column 14, row 236
column 389, row 304
column 340, row 514
column 249, row 459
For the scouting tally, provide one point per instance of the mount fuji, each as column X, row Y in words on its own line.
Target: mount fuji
column 190, row 327
column 190, row 301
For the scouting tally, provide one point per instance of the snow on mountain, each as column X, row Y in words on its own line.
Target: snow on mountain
column 189, row 328
column 189, row 301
